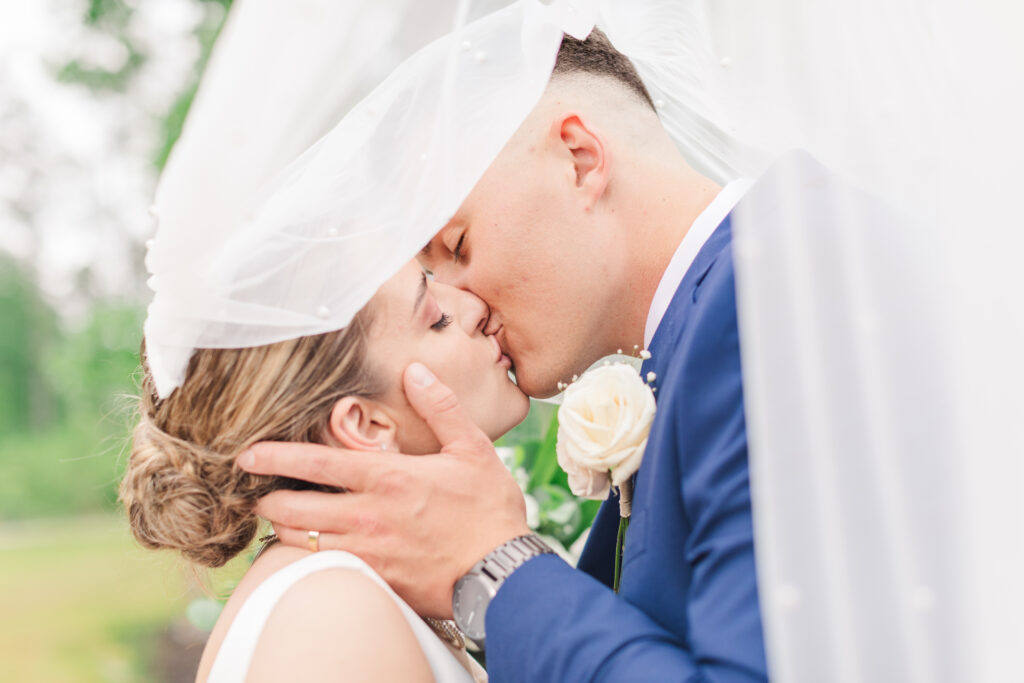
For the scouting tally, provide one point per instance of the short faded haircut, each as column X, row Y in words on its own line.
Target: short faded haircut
column 597, row 56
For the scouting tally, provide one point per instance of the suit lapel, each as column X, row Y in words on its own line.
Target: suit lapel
column 597, row 558
column 672, row 324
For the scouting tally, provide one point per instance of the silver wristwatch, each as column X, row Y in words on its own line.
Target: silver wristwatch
column 474, row 591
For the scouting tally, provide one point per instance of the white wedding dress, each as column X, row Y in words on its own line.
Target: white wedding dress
column 236, row 652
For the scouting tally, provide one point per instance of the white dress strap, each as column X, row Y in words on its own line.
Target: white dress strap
column 236, row 652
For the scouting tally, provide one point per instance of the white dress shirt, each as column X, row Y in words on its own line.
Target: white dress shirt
column 705, row 224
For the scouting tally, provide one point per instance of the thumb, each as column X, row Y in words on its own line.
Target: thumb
column 439, row 407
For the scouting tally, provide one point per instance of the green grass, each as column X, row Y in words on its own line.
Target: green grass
column 81, row 602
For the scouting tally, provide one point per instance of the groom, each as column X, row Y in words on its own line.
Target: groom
column 588, row 234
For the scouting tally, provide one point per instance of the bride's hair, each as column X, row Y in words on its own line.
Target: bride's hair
column 182, row 489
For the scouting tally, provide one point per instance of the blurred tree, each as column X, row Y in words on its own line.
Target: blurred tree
column 47, row 374
column 64, row 418
column 207, row 33
column 27, row 328
column 69, row 356
column 95, row 365
column 114, row 18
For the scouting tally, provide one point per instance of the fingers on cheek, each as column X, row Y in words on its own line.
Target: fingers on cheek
column 445, row 401
column 320, row 468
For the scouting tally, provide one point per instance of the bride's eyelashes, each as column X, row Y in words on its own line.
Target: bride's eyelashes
column 442, row 323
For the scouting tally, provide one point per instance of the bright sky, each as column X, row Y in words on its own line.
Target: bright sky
column 75, row 171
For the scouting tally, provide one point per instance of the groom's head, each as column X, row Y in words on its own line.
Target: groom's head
column 552, row 236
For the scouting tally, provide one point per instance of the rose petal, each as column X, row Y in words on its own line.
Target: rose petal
column 604, row 422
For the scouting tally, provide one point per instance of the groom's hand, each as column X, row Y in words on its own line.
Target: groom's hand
column 420, row 521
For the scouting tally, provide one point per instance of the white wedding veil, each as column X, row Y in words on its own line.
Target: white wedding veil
column 883, row 357
column 261, row 239
column 882, row 367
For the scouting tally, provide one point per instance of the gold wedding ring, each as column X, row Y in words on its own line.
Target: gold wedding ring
column 314, row 541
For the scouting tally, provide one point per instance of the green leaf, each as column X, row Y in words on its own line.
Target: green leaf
column 528, row 455
column 560, row 514
column 545, row 468
column 588, row 511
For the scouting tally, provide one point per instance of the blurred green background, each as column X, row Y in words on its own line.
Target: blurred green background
column 80, row 600
column 93, row 94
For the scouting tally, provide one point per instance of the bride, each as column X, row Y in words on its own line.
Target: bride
column 298, row 614
column 288, row 303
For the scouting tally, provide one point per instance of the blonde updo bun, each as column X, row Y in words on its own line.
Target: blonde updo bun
column 185, row 497
column 182, row 489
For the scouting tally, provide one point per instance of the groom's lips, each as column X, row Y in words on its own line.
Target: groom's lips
column 500, row 356
column 503, row 355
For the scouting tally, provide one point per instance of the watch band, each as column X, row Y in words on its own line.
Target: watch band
column 499, row 564
column 474, row 591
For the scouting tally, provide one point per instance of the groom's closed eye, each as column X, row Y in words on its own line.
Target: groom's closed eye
column 457, row 251
column 428, row 251
column 447, row 237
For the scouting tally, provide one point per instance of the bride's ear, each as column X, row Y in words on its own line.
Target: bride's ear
column 362, row 425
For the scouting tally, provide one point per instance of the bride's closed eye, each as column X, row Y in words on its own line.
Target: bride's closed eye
column 442, row 323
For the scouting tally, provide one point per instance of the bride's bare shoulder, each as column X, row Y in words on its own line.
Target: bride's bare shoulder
column 275, row 557
column 332, row 620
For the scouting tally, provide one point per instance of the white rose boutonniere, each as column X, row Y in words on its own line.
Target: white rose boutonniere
column 603, row 424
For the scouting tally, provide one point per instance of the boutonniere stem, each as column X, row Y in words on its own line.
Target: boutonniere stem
column 625, row 509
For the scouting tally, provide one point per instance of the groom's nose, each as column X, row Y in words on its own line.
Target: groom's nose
column 450, row 274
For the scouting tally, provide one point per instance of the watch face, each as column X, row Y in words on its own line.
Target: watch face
column 469, row 605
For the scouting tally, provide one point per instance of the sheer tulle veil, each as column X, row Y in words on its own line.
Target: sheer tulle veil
column 882, row 364
column 882, row 368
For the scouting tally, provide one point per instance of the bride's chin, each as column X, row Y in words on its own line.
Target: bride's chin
column 512, row 411
column 524, row 406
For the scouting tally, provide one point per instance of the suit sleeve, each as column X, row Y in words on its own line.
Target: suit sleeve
column 550, row 622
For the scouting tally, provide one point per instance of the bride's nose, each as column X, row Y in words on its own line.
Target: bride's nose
column 473, row 311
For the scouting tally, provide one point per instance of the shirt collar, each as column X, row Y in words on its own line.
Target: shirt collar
column 709, row 219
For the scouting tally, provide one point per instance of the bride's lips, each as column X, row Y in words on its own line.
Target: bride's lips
column 499, row 356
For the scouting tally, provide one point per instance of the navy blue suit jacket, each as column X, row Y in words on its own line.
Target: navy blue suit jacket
column 688, row 606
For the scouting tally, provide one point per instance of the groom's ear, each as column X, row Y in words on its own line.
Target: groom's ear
column 589, row 153
column 362, row 425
